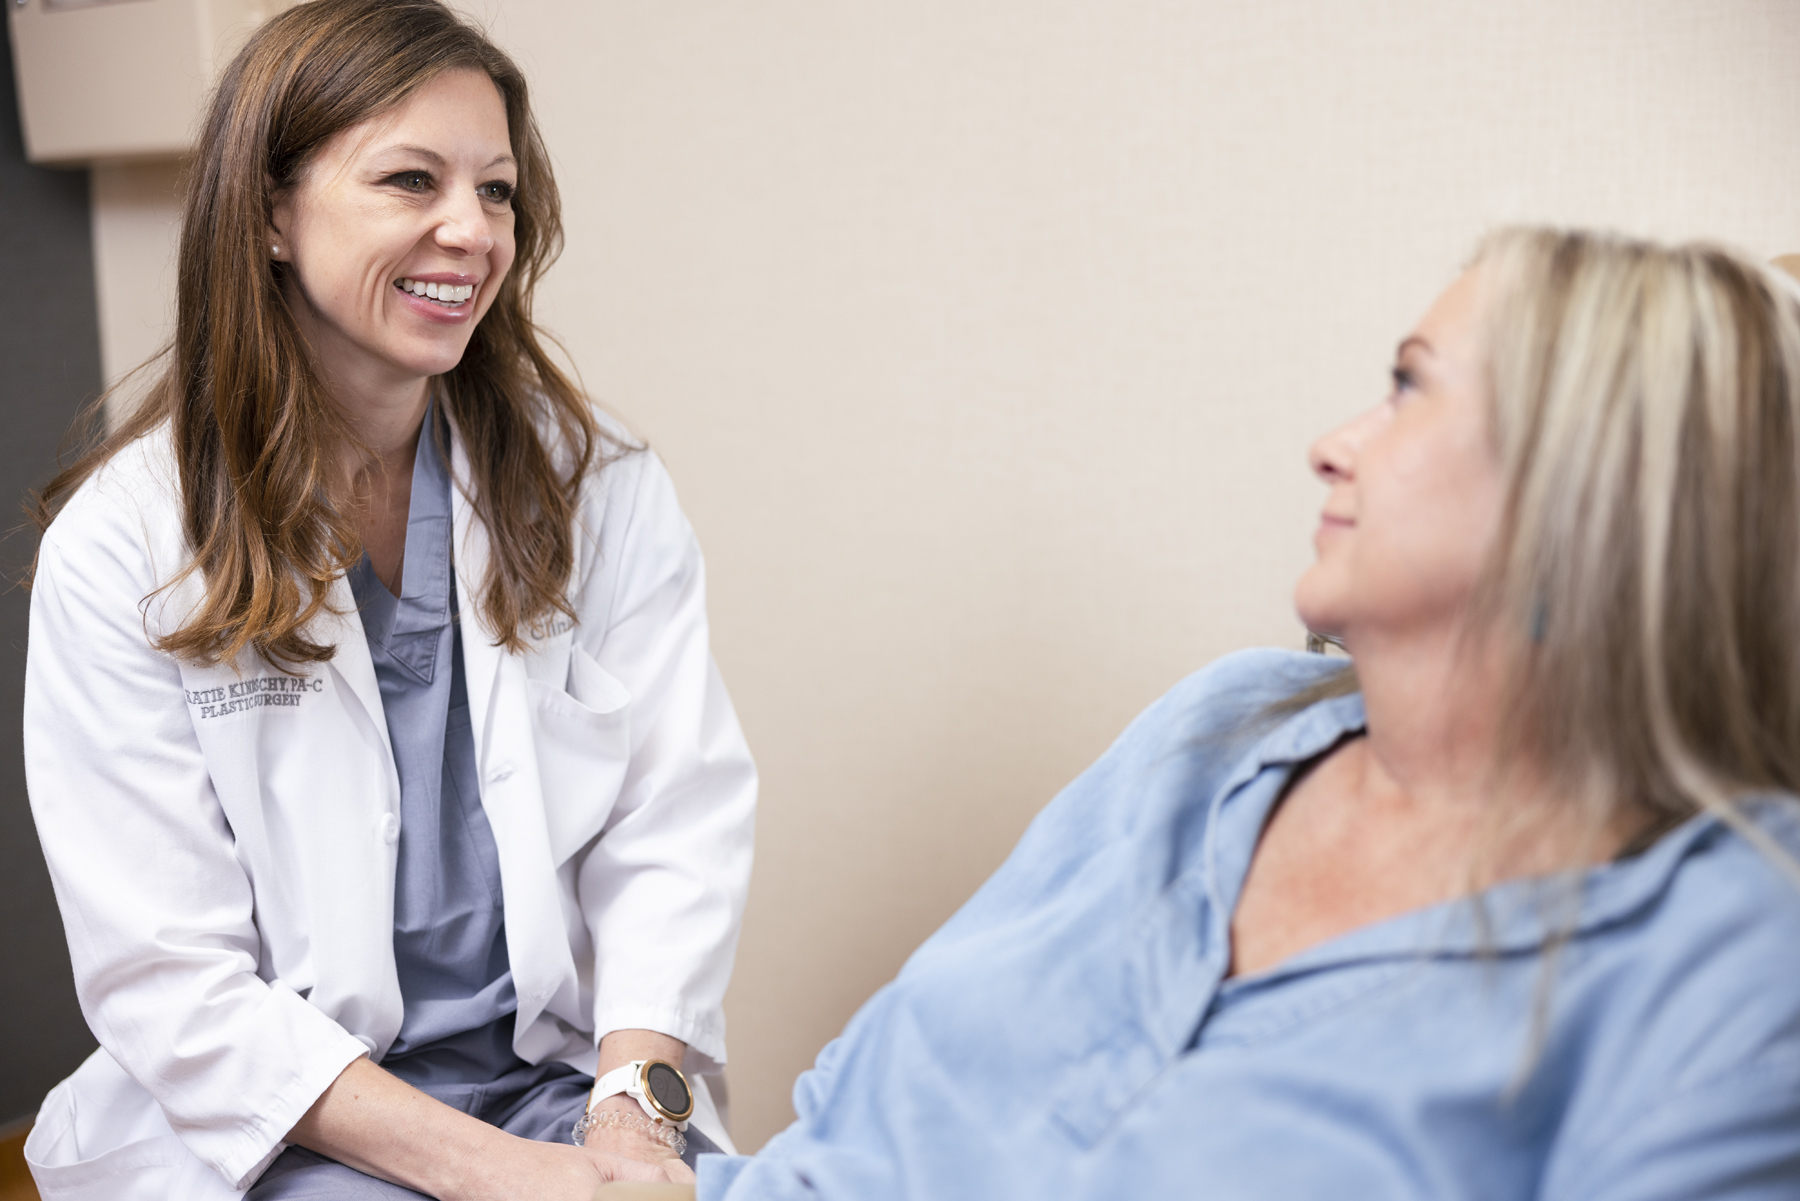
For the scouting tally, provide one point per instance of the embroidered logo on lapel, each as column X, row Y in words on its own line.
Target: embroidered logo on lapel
column 258, row 692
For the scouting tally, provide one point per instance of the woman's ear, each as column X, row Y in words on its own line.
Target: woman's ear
column 281, row 220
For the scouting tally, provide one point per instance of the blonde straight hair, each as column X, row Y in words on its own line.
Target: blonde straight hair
column 1646, row 410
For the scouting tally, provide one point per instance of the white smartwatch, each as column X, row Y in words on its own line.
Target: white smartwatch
column 659, row 1087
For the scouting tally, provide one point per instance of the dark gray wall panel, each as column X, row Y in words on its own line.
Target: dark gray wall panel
column 49, row 367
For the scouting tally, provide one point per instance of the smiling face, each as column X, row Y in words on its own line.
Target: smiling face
column 1416, row 489
column 399, row 234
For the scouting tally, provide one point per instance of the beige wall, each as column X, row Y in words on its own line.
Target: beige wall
column 984, row 340
column 136, row 213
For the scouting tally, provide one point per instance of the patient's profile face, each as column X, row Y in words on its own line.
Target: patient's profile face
column 1415, row 489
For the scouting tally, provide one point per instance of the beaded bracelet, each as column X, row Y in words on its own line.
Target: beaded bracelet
column 595, row 1118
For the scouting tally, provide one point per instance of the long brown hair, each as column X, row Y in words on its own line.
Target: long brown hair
column 257, row 437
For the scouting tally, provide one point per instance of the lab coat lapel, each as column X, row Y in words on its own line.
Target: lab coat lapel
column 481, row 658
column 340, row 625
column 500, row 714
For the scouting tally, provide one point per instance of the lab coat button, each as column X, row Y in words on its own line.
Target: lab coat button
column 390, row 828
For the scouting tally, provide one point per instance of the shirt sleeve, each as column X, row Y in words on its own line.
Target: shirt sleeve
column 714, row 1175
column 1735, row 1138
column 663, row 888
column 1199, row 731
column 158, row 911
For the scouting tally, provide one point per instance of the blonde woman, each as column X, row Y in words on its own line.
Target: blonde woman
column 1509, row 913
column 388, row 787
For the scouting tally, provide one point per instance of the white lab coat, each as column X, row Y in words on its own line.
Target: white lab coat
column 222, row 842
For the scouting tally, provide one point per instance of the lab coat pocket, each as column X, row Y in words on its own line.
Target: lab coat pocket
column 99, row 1137
column 583, row 747
column 140, row 1171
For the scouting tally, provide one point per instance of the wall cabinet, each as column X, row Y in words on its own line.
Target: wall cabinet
column 117, row 80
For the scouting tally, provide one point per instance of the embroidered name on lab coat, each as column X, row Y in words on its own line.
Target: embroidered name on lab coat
column 255, row 693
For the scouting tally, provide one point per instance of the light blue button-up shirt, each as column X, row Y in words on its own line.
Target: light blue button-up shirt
column 1071, row 1033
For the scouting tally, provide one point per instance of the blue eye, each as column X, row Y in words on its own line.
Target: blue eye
column 1403, row 380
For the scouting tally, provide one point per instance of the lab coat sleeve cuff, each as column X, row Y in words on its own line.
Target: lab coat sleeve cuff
column 261, row 1137
column 704, row 1033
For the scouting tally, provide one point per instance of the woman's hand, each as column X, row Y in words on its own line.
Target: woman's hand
column 557, row 1172
column 617, row 1167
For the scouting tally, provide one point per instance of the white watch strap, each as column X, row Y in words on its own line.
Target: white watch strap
column 628, row 1080
column 619, row 1080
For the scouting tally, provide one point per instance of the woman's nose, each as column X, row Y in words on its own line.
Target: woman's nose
column 1333, row 456
column 464, row 228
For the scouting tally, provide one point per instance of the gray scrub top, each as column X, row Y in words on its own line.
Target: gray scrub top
column 449, row 931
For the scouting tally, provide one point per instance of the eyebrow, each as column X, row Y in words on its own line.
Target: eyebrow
column 1413, row 340
column 440, row 160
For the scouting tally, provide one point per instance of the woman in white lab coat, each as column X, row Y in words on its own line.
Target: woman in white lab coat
column 387, row 785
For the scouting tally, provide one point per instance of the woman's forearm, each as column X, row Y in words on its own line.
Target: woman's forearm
column 623, row 1046
column 617, row 1049
column 373, row 1121
column 378, row 1124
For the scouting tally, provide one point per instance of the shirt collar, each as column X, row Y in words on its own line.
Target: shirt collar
column 425, row 575
column 1516, row 916
column 407, row 628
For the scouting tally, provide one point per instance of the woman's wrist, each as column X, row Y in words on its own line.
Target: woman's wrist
column 658, row 1138
column 497, row 1165
column 483, row 1164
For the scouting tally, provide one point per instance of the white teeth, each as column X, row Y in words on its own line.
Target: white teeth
column 451, row 294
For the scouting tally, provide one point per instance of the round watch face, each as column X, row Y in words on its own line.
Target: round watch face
column 668, row 1090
